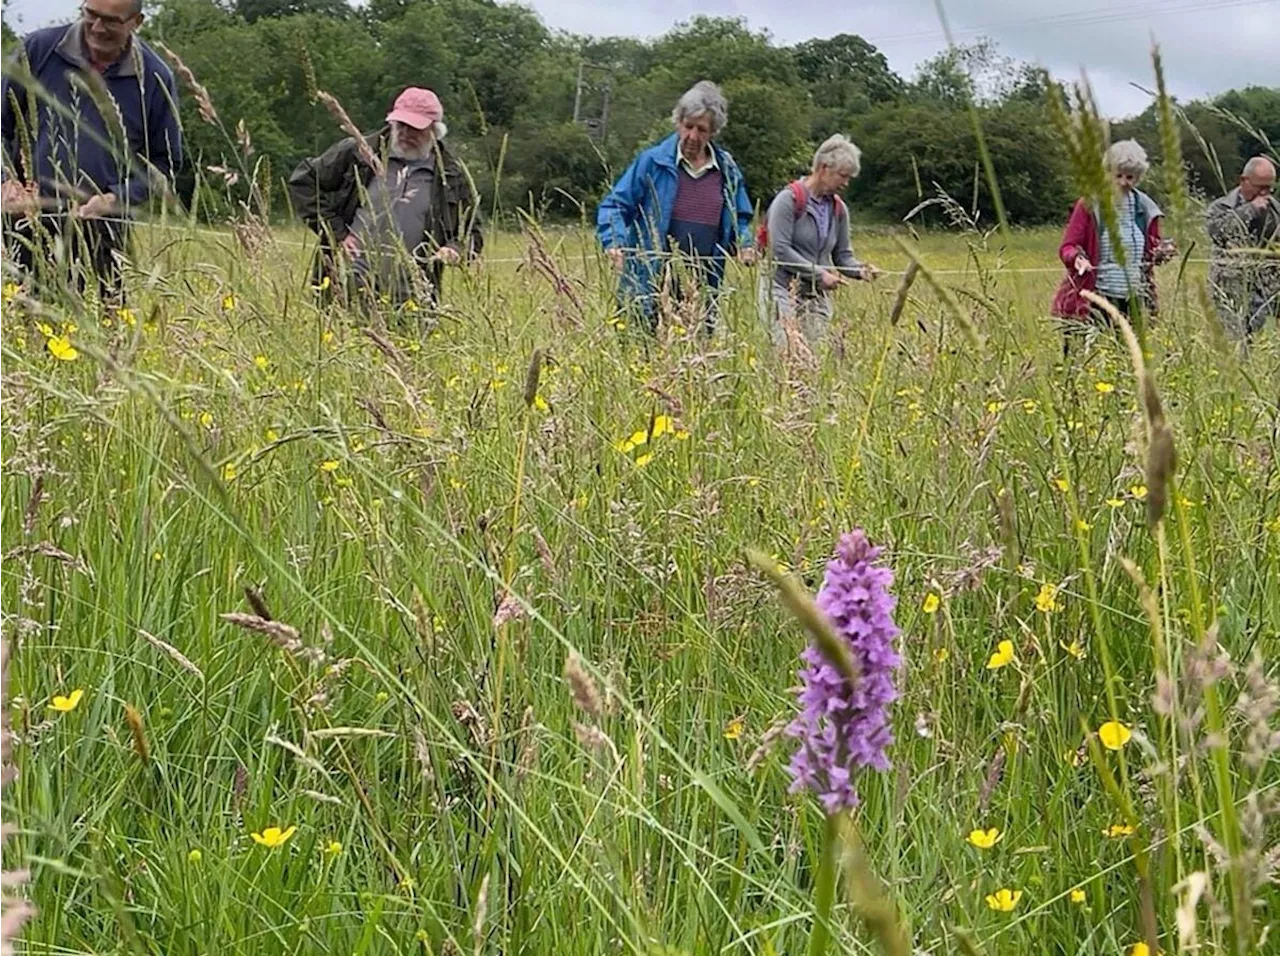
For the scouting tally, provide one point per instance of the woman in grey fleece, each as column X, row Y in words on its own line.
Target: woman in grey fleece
column 809, row 245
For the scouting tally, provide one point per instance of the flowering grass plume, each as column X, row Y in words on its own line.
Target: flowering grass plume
column 843, row 724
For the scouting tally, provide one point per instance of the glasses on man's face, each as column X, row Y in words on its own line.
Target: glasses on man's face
column 89, row 15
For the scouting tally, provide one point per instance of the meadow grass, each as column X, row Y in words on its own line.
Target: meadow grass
column 441, row 549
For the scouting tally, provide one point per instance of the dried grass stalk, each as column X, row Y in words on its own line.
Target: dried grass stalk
column 344, row 121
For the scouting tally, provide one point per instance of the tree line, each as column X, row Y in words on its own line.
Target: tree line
column 510, row 86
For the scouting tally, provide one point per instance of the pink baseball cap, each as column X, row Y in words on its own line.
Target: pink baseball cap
column 416, row 107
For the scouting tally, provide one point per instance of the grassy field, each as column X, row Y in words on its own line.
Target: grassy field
column 433, row 550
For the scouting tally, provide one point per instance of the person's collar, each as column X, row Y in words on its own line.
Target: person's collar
column 712, row 163
column 72, row 49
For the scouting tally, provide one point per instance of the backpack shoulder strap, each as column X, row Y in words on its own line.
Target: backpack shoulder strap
column 799, row 195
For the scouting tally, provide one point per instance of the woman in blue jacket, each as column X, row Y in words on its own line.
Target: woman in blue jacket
column 685, row 195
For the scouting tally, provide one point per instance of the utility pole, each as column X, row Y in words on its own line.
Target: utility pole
column 591, row 99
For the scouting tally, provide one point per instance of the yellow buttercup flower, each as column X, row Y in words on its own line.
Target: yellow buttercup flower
column 1140, row 949
column 262, row 362
column 540, row 404
column 644, row 460
column 1114, row 734
column 229, row 471
column 681, row 435
column 1082, row 525
column 65, row 705
column 1062, row 485
column 273, row 837
column 661, row 425
column 333, row 848
column 1002, row 656
column 628, row 445
column 1103, row 388
column 1118, row 830
column 985, row 839
column 206, row 419
column 1047, row 599
column 995, row 407
column 228, row 303
column 127, row 316
column 1077, row 895
column 9, row 292
column 1074, row 649
column 330, row 464
column 941, row 655
column 60, row 347
column 931, row 603
column 272, row 435
column 1115, row 502
column 734, row 728
column 1004, row 900
column 195, row 856
column 1030, row 405
column 1139, row 492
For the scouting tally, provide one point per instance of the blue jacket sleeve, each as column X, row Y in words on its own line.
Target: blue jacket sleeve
column 163, row 145
column 621, row 207
column 744, row 214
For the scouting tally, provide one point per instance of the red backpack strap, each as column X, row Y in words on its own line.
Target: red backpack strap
column 799, row 195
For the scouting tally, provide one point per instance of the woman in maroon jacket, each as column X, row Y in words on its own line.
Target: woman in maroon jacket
column 1093, row 255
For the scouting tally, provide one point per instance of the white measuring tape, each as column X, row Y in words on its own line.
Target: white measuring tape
column 302, row 244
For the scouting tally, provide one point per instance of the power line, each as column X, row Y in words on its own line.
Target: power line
column 1086, row 17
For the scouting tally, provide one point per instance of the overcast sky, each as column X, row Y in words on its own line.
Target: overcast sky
column 1209, row 45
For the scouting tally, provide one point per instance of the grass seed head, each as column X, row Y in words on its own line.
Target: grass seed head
column 583, row 687
column 1162, row 459
column 532, row 377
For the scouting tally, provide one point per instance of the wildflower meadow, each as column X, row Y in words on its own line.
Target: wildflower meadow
column 514, row 629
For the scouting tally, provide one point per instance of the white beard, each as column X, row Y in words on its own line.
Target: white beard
column 400, row 150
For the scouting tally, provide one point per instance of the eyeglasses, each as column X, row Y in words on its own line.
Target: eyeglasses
column 89, row 15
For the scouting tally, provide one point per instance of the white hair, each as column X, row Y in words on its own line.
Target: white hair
column 1128, row 156
column 702, row 99
column 1257, row 164
column 840, row 154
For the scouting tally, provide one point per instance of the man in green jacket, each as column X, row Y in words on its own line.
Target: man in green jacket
column 398, row 212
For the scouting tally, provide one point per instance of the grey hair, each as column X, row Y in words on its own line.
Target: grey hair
column 1128, row 156
column 838, row 153
column 702, row 99
column 1256, row 165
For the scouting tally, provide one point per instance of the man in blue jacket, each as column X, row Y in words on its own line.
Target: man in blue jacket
column 69, row 172
column 685, row 198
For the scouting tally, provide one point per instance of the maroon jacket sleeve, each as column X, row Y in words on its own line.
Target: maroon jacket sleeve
column 1073, row 237
column 1153, row 242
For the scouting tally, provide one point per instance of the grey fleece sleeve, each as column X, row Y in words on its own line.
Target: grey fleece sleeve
column 782, row 225
column 842, row 255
